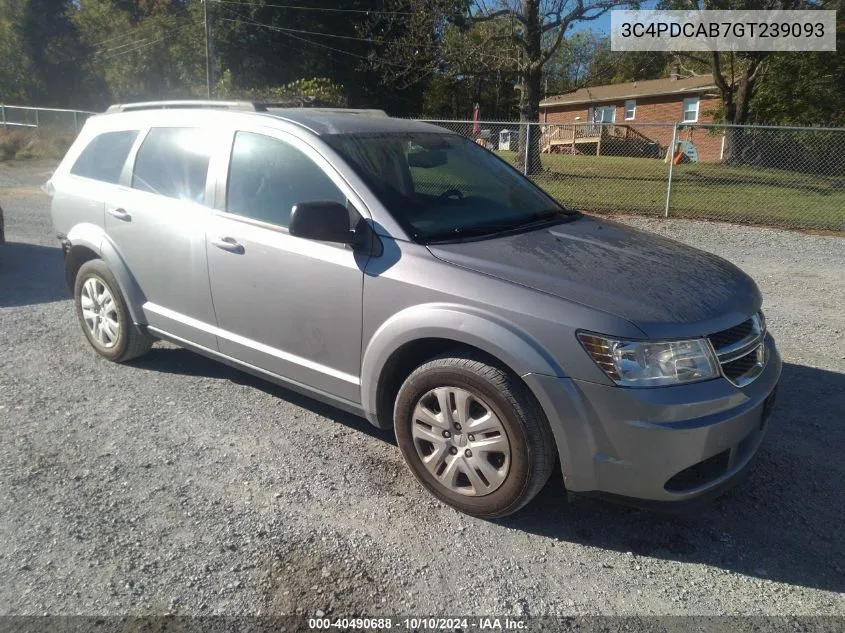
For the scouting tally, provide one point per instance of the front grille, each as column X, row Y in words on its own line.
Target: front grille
column 739, row 367
column 732, row 335
column 741, row 350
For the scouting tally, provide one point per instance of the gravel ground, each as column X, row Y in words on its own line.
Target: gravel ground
column 177, row 485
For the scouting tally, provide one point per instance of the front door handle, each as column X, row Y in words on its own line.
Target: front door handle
column 228, row 244
column 120, row 214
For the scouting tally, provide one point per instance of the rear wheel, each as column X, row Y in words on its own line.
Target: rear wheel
column 103, row 315
column 473, row 435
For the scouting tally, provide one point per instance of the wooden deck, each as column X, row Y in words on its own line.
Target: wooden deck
column 557, row 137
column 580, row 138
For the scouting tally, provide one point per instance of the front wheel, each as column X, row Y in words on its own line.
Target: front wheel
column 473, row 435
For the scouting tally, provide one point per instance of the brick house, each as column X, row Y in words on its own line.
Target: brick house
column 668, row 101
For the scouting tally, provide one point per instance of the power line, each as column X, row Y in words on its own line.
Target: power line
column 124, row 34
column 318, row 44
column 134, row 50
column 301, row 32
column 151, row 23
column 325, row 9
column 117, row 48
column 301, row 39
column 380, row 42
column 337, row 50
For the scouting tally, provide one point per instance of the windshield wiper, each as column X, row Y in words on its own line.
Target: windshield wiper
column 550, row 214
column 486, row 230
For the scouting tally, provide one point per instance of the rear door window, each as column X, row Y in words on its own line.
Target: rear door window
column 173, row 162
column 105, row 155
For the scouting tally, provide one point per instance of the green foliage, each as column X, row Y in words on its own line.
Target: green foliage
column 39, row 50
column 614, row 67
column 585, row 59
column 448, row 97
column 319, row 91
column 803, row 88
column 435, row 58
column 157, row 53
column 100, row 52
column 13, row 79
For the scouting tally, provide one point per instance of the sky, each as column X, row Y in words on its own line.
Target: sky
column 602, row 25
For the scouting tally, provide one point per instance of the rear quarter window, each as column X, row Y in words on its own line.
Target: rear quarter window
column 104, row 156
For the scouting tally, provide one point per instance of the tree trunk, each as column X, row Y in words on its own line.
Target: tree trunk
column 736, row 112
column 731, row 133
column 531, row 78
column 736, row 99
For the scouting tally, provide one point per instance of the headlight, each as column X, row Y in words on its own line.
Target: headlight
column 651, row 364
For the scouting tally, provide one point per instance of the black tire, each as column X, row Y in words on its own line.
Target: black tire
column 130, row 342
column 532, row 449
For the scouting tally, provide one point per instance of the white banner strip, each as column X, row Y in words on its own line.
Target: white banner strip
column 813, row 30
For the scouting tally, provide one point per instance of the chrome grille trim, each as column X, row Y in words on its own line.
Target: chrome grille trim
column 733, row 356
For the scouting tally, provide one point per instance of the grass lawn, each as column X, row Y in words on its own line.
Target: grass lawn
column 699, row 190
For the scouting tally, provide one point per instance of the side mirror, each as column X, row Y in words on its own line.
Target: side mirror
column 323, row 221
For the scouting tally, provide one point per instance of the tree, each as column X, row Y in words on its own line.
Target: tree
column 39, row 50
column 572, row 65
column 152, row 50
column 585, row 59
column 534, row 29
column 13, row 78
column 265, row 43
column 803, row 88
column 737, row 75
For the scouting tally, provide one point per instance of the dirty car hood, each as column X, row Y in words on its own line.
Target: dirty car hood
column 658, row 284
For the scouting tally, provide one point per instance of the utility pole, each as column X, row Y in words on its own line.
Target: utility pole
column 209, row 50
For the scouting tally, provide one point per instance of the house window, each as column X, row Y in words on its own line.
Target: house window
column 603, row 114
column 630, row 109
column 690, row 110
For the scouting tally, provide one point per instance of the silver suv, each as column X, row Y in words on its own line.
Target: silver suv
column 401, row 272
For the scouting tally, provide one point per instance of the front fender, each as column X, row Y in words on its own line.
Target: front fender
column 484, row 330
column 94, row 238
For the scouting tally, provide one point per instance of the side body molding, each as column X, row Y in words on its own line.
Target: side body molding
column 94, row 237
column 462, row 324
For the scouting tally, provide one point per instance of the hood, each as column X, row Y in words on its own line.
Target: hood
column 663, row 287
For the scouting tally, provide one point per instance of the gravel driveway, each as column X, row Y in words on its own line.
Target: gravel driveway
column 177, row 485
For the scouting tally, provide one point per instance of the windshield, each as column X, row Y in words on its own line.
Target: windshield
column 444, row 186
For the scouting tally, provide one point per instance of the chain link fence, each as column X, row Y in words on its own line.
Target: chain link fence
column 38, row 132
column 776, row 176
column 53, row 119
column 787, row 177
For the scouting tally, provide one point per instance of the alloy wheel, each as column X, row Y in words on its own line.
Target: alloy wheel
column 99, row 311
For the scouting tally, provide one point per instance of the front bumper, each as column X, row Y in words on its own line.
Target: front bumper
column 659, row 445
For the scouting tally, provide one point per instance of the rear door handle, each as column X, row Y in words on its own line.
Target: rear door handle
column 228, row 244
column 120, row 214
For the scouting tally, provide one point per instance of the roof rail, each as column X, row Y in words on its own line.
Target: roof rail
column 188, row 103
column 359, row 111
